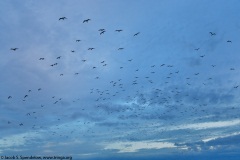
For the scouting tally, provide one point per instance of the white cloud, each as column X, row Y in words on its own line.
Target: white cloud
column 220, row 136
column 207, row 125
column 17, row 140
column 123, row 147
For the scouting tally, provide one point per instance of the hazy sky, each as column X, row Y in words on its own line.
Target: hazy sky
column 137, row 80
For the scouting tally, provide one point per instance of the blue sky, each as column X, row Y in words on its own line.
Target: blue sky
column 171, row 91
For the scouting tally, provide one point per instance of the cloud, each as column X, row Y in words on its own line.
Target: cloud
column 123, row 147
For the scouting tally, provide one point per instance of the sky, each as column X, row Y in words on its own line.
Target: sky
column 120, row 79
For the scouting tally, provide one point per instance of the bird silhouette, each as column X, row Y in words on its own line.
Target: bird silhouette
column 102, row 32
column 118, row 30
column 78, row 40
column 212, row 33
column 86, row 20
column 62, row 18
column 41, row 58
column 136, row 34
column 14, row 49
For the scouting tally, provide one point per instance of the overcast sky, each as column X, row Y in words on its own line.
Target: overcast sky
column 120, row 79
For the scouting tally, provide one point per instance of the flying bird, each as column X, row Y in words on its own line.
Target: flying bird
column 91, row 48
column 136, row 34
column 229, row 41
column 118, row 30
column 41, row 58
column 212, row 33
column 62, row 18
column 86, row 20
column 120, row 48
column 9, row 97
column 102, row 32
column 78, row 40
column 59, row 57
column 14, row 49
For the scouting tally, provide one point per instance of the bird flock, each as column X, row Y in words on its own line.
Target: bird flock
column 140, row 93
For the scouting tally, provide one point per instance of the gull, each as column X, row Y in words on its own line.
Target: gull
column 86, row 20
column 102, row 32
column 212, row 34
column 62, row 18
column 136, row 34
column 14, row 49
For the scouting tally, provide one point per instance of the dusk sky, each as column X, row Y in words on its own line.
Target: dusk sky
column 120, row 79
